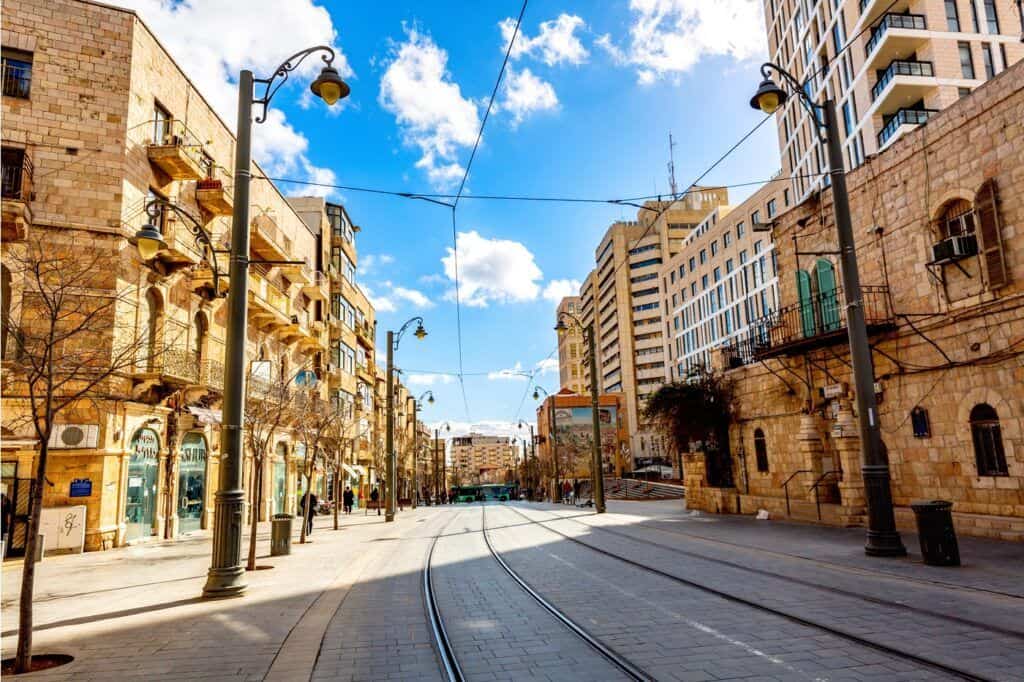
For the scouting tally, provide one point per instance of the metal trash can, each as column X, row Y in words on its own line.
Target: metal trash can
column 936, row 533
column 281, row 534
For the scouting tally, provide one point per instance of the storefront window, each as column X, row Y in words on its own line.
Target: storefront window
column 191, row 482
column 140, row 507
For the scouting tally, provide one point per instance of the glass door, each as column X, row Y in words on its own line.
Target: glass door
column 279, row 486
column 140, row 507
column 191, row 482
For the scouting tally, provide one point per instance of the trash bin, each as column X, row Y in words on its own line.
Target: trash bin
column 281, row 534
column 936, row 533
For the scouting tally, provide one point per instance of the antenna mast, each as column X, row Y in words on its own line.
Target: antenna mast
column 672, row 166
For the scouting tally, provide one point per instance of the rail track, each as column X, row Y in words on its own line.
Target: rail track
column 450, row 664
column 824, row 627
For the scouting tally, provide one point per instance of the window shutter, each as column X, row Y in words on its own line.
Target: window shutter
column 803, row 290
column 827, row 291
column 989, row 234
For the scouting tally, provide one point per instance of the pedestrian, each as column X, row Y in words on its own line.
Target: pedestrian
column 309, row 503
column 566, row 489
column 576, row 491
column 347, row 499
column 375, row 498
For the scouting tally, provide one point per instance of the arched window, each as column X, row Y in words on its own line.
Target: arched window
column 761, row 450
column 957, row 219
column 988, row 441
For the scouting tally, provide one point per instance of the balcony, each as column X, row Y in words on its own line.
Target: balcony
column 365, row 372
column 815, row 323
column 267, row 240
column 895, row 36
column 269, row 306
column 169, row 363
column 364, row 335
column 318, row 287
column 213, row 194
column 202, row 275
column 177, row 151
column 211, row 374
column 297, row 272
column 901, row 122
column 17, row 193
column 902, row 84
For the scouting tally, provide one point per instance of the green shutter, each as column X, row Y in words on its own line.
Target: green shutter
column 803, row 290
column 828, row 296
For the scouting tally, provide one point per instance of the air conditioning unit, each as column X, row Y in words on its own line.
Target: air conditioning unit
column 955, row 248
column 74, row 436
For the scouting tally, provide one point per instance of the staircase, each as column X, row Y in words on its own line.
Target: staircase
column 629, row 489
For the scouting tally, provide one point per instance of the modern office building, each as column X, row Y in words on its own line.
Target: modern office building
column 898, row 63
column 721, row 281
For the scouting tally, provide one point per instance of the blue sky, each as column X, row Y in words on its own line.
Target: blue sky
column 590, row 97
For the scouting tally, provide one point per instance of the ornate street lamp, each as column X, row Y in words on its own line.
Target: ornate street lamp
column 149, row 240
column 226, row 576
column 882, row 537
column 597, row 466
column 393, row 341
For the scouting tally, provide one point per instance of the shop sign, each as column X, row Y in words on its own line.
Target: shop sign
column 833, row 390
column 145, row 445
column 81, row 487
column 193, row 451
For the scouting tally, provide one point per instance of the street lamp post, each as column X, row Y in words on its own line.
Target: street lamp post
column 531, row 465
column 554, row 440
column 882, row 537
column 597, row 465
column 429, row 395
column 440, row 472
column 389, row 436
column 226, row 576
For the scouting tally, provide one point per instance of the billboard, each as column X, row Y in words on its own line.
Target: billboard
column 573, row 432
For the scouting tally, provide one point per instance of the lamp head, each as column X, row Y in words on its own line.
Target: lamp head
column 329, row 87
column 149, row 241
column 447, row 427
column 536, row 394
column 420, row 332
column 561, row 328
column 769, row 97
column 430, row 399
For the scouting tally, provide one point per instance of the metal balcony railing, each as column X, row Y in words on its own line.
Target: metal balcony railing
column 903, row 117
column 900, row 67
column 811, row 323
column 878, row 31
column 17, row 174
column 17, row 79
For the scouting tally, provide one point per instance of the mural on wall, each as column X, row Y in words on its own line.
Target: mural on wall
column 573, row 427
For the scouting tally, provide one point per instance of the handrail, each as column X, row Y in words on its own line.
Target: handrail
column 785, row 484
column 817, row 497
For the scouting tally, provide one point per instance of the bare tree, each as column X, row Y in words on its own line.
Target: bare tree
column 268, row 409
column 316, row 429
column 72, row 351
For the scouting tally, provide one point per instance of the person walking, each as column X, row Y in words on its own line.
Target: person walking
column 375, row 498
column 309, row 503
column 347, row 498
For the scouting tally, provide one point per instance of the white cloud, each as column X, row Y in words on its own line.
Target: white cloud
column 429, row 107
column 492, row 427
column 556, row 41
column 514, row 373
column 370, row 262
column 394, row 295
column 547, row 366
column 212, row 41
column 669, row 37
column 525, row 93
column 492, row 270
column 557, row 289
column 429, row 379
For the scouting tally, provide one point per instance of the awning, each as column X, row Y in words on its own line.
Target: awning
column 205, row 415
column 354, row 470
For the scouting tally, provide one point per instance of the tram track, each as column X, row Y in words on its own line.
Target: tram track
column 445, row 652
column 841, row 633
column 802, row 582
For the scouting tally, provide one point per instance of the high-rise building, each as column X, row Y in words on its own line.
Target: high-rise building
column 621, row 298
column 481, row 459
column 898, row 63
column 572, row 370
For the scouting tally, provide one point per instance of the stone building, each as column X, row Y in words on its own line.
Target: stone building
column 476, row 458
column 91, row 153
column 937, row 222
column 573, row 372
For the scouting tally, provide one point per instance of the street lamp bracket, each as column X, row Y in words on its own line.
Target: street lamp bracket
column 326, row 81
column 150, row 233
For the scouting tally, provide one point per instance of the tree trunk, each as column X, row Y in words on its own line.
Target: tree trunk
column 305, row 508
column 257, row 486
column 337, row 495
column 23, row 657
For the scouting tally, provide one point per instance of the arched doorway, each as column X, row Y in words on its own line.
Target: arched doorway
column 140, row 505
column 191, row 482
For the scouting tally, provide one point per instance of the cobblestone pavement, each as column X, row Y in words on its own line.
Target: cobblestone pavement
column 350, row 604
column 497, row 630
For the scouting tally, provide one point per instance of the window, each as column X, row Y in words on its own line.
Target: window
column 761, row 451
column 963, row 92
column 848, row 116
column 755, row 217
column 991, row 18
column 704, row 282
column 17, row 73
column 642, row 249
column 645, row 263
column 957, row 219
column 785, row 197
column 161, row 124
column 739, row 230
column 974, row 16
column 714, row 248
column 986, row 58
column 952, row 18
column 772, row 208
column 726, row 240
column 693, row 263
column 988, row 441
column 966, row 60
column 703, row 256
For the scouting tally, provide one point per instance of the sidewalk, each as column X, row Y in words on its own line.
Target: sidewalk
column 988, row 565
column 136, row 612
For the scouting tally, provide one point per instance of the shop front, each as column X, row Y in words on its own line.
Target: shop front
column 280, row 480
column 143, row 466
column 191, row 482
